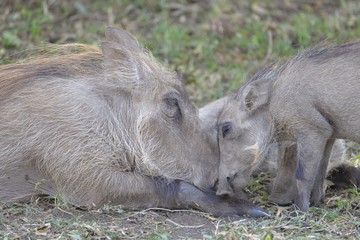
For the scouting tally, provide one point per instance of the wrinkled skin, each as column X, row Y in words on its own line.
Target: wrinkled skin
column 109, row 127
column 311, row 100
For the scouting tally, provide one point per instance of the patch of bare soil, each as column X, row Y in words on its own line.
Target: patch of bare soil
column 46, row 220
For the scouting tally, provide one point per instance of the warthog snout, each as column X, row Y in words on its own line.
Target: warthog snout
column 207, row 183
column 225, row 187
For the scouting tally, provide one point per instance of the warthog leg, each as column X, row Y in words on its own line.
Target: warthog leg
column 190, row 196
column 129, row 189
column 317, row 193
column 142, row 191
column 310, row 152
column 284, row 188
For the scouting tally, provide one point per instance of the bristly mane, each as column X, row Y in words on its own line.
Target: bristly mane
column 62, row 61
column 66, row 60
column 320, row 53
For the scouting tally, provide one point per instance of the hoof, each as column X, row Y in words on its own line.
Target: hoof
column 258, row 212
column 302, row 205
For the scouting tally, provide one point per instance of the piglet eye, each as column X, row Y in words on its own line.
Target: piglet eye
column 226, row 128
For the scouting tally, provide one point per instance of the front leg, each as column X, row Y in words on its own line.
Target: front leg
column 310, row 152
column 284, row 189
column 133, row 190
column 190, row 196
column 317, row 193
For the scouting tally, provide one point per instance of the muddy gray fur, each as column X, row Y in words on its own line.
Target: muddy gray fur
column 105, row 127
column 311, row 100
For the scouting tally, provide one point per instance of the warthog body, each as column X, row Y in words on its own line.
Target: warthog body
column 311, row 100
column 105, row 128
column 283, row 189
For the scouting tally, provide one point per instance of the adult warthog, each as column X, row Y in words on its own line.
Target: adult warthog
column 311, row 100
column 109, row 127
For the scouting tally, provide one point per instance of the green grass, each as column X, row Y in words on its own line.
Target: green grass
column 215, row 46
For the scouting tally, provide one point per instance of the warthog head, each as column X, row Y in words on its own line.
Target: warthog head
column 244, row 133
column 171, row 139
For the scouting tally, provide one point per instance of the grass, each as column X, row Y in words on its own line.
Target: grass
column 215, row 46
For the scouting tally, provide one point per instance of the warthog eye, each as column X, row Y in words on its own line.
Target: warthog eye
column 172, row 109
column 226, row 129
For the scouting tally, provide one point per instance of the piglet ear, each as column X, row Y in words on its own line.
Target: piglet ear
column 122, row 38
column 255, row 94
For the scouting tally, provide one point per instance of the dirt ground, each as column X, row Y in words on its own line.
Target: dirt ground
column 44, row 220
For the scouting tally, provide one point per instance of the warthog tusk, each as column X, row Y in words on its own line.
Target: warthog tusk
column 256, row 151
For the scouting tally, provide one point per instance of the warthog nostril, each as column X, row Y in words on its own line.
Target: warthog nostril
column 224, row 187
column 231, row 178
column 216, row 185
column 225, row 192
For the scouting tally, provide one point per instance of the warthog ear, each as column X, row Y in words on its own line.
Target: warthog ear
column 123, row 38
column 256, row 94
column 121, row 66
